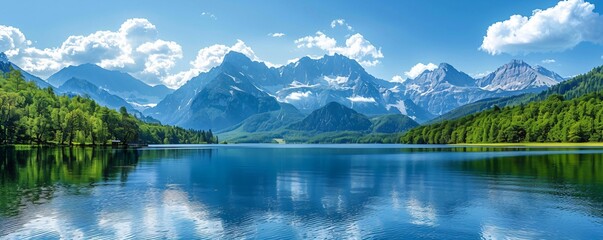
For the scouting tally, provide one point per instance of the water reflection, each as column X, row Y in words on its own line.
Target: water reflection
column 240, row 192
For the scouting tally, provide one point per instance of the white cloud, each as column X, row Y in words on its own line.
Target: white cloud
column 415, row 71
column 548, row 61
column 320, row 40
column 134, row 48
column 12, row 38
column 208, row 58
column 209, row 15
column 398, row 79
column 160, row 56
column 356, row 47
column 419, row 68
column 277, row 35
column 361, row 99
column 341, row 22
column 558, row 28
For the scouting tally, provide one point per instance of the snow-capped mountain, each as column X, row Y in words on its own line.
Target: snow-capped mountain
column 307, row 84
column 115, row 82
column 220, row 98
column 226, row 101
column 6, row 64
column 445, row 88
column 519, row 76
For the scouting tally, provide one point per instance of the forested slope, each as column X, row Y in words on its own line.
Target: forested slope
column 29, row 114
column 552, row 120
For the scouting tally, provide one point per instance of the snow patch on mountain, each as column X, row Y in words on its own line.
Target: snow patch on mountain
column 336, row 80
column 296, row 96
column 142, row 106
column 401, row 106
column 296, row 84
column 361, row 99
column 395, row 89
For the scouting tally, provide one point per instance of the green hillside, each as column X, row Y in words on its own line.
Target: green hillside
column 393, row 123
column 333, row 123
column 552, row 120
column 29, row 115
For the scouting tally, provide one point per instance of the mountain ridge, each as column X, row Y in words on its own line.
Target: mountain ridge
column 6, row 64
column 444, row 89
column 129, row 88
column 84, row 88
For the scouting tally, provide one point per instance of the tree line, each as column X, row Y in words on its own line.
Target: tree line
column 552, row 120
column 30, row 115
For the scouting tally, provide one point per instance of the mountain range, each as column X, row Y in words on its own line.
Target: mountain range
column 129, row 88
column 309, row 84
column 445, row 88
column 245, row 95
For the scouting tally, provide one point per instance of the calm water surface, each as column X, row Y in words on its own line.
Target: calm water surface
column 302, row 191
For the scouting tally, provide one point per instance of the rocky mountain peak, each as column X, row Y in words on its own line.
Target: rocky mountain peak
column 3, row 58
column 517, row 62
column 445, row 67
column 236, row 58
column 445, row 73
column 518, row 75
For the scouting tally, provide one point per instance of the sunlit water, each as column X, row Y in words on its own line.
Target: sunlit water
column 301, row 191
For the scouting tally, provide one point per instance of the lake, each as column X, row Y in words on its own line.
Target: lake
column 301, row 191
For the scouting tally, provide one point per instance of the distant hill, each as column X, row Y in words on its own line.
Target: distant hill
column 393, row 123
column 333, row 117
column 332, row 123
column 268, row 121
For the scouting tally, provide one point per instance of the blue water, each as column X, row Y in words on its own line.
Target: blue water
column 302, row 191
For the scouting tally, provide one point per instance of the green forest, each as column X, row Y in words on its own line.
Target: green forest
column 552, row 120
column 30, row 115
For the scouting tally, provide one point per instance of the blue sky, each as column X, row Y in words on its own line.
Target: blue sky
column 391, row 37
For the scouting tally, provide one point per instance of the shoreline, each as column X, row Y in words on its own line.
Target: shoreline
column 535, row 144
